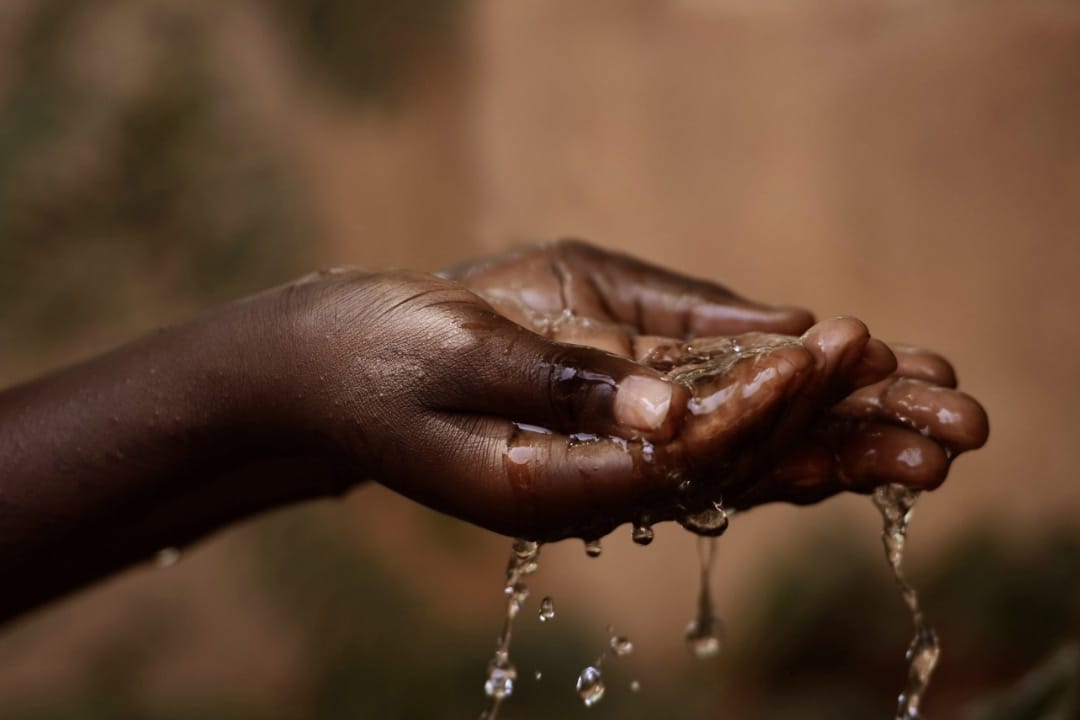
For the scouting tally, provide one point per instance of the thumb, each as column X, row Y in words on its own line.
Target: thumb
column 522, row 376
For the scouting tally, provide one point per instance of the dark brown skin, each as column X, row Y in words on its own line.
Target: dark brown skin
column 429, row 384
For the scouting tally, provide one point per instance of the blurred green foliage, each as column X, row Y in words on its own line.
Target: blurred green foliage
column 830, row 632
column 114, row 196
column 366, row 49
column 1050, row 692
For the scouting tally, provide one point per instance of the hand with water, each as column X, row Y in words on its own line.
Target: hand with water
column 484, row 392
column 508, row 393
column 818, row 422
column 765, row 421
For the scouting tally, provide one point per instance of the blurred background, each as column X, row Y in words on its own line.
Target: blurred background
column 915, row 164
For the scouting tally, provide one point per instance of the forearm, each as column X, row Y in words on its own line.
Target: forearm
column 153, row 444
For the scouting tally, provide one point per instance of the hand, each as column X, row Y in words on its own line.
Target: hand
column 905, row 429
column 576, row 293
column 476, row 393
column 441, row 397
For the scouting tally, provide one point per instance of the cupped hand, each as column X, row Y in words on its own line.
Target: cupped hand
column 466, row 392
column 506, row 392
column 870, row 415
column 907, row 429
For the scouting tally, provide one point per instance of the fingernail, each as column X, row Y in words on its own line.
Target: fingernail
column 642, row 403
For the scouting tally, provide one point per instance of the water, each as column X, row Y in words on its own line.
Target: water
column 712, row 521
column 635, row 686
column 895, row 502
column 593, row 548
column 621, row 645
column 500, row 679
column 501, row 673
column 642, row 533
column 590, row 686
column 703, row 634
column 547, row 609
column 590, row 683
column 166, row 557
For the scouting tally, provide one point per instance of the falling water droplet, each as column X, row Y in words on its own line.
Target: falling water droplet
column 635, row 686
column 590, row 686
column 895, row 502
column 703, row 634
column 166, row 557
column 538, row 676
column 642, row 534
column 702, row 640
column 547, row 609
column 621, row 645
column 500, row 680
column 593, row 548
column 710, row 522
column 517, row 594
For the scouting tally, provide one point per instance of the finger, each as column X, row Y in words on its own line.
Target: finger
column 742, row 398
column 807, row 475
column 519, row 375
column 878, row 453
column 524, row 482
column 876, row 363
column 656, row 301
column 755, row 394
column 842, row 361
column 920, row 364
column 854, row 458
column 949, row 416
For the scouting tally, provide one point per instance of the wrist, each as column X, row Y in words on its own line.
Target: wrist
column 300, row 368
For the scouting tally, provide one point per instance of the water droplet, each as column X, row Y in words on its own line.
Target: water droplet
column 547, row 609
column 582, row 439
column 710, row 522
column 500, row 680
column 642, row 534
column 702, row 640
column 166, row 557
column 538, row 676
column 526, row 549
column 703, row 634
column 593, row 548
column 621, row 645
column 517, row 594
column 635, row 686
column 590, row 686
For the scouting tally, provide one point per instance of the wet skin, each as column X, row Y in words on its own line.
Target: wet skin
column 477, row 392
column 777, row 410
